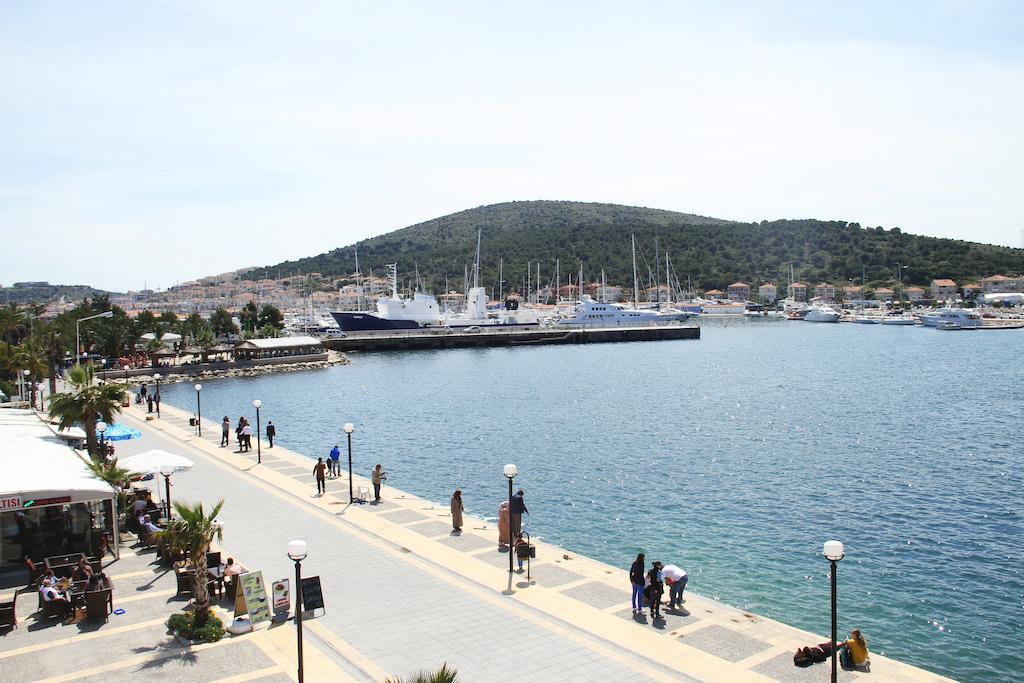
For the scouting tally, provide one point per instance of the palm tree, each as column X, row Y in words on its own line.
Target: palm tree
column 206, row 341
column 119, row 478
column 443, row 675
column 195, row 531
column 87, row 403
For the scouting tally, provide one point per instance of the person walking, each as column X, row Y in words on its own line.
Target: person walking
column 319, row 471
column 247, row 436
column 225, row 432
column 378, row 479
column 271, row 433
column 335, row 461
column 516, row 510
column 636, row 577
column 456, row 506
column 655, row 590
column 676, row 578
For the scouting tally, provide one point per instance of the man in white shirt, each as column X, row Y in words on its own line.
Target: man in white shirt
column 51, row 594
column 247, row 437
column 676, row 578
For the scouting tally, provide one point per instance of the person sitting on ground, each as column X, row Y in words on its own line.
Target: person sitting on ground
column 81, row 572
column 232, row 569
column 655, row 590
column 676, row 578
column 854, row 652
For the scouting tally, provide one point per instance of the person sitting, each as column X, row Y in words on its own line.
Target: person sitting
column 854, row 652
column 232, row 569
column 81, row 572
column 53, row 596
column 147, row 525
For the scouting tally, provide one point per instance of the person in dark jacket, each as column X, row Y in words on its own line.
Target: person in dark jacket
column 636, row 577
column 516, row 510
column 271, row 433
column 656, row 590
column 225, row 432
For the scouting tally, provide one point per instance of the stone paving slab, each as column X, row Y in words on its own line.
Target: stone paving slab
column 725, row 643
column 598, row 594
column 431, row 529
column 781, row 668
column 553, row 574
column 495, row 558
column 465, row 542
column 669, row 621
column 273, row 678
column 32, row 666
column 404, row 516
column 180, row 664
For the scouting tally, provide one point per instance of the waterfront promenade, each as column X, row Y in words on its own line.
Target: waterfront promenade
column 402, row 593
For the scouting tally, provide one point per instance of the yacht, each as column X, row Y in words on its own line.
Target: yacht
column 962, row 317
column 590, row 313
column 820, row 313
column 393, row 312
column 898, row 319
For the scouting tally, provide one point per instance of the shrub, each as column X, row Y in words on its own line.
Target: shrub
column 184, row 624
column 445, row 674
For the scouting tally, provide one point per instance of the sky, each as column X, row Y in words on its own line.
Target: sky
column 144, row 144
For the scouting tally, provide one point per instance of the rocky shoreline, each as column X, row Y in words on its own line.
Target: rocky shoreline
column 333, row 358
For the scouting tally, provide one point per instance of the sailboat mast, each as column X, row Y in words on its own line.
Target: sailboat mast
column 636, row 281
column 657, row 276
column 476, row 261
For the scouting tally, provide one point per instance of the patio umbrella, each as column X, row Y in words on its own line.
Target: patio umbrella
column 72, row 434
column 118, row 432
column 158, row 462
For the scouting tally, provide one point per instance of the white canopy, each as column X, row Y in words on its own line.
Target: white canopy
column 165, row 337
column 71, row 433
column 40, row 470
column 156, row 461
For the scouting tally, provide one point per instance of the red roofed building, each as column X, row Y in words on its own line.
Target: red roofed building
column 739, row 291
column 943, row 290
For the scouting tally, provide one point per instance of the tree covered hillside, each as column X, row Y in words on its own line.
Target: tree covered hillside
column 713, row 253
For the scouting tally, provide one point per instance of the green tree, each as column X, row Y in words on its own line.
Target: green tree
column 222, row 324
column 270, row 315
column 192, row 326
column 195, row 531
column 248, row 317
column 145, row 323
column 86, row 403
column 167, row 322
column 206, row 341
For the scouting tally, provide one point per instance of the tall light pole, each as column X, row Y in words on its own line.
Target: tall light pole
column 157, row 377
column 297, row 551
column 101, row 427
column 510, row 472
column 167, row 472
column 349, row 428
column 78, row 335
column 199, row 410
column 256, row 404
column 833, row 552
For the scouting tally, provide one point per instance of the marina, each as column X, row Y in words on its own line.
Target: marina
column 690, row 451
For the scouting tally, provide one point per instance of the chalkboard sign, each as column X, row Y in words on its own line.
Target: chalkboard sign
column 312, row 595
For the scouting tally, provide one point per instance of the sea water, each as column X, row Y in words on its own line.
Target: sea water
column 735, row 456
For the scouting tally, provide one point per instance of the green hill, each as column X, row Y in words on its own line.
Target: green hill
column 712, row 252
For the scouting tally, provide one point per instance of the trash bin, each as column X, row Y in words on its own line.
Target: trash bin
column 191, row 422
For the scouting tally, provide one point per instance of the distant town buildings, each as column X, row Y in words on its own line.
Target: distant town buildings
column 825, row 291
column 739, row 291
column 798, row 291
column 768, row 292
column 943, row 290
column 914, row 293
column 1000, row 284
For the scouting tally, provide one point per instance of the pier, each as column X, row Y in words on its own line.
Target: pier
column 447, row 338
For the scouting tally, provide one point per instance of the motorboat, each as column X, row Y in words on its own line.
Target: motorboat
column 393, row 312
column 866, row 320
column 590, row 313
column 951, row 325
column 965, row 318
column 898, row 320
column 820, row 313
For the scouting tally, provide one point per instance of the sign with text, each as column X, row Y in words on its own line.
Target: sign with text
column 282, row 599
column 312, row 594
column 10, row 503
column 254, row 592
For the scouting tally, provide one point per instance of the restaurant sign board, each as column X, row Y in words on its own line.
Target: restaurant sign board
column 282, row 599
column 254, row 593
column 10, row 503
column 312, row 594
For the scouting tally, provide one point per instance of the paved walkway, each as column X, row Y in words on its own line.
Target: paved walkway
column 403, row 593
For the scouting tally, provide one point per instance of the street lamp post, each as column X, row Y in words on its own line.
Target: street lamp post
column 157, row 377
column 78, row 335
column 297, row 551
column 349, row 428
column 256, row 404
column 510, row 471
column 833, row 552
column 28, row 387
column 199, row 410
column 101, row 427
column 166, row 473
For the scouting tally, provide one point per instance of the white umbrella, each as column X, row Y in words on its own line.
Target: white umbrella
column 158, row 462
column 71, row 433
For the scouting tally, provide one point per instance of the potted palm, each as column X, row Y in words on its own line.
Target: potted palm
column 195, row 530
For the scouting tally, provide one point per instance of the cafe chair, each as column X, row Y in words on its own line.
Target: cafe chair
column 55, row 608
column 98, row 605
column 184, row 582
column 213, row 559
column 8, row 614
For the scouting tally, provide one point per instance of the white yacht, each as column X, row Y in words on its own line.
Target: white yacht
column 393, row 312
column 961, row 317
column 590, row 313
column 820, row 313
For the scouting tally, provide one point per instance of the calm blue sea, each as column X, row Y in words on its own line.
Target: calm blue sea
column 734, row 456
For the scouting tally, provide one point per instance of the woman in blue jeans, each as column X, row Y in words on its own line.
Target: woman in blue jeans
column 636, row 577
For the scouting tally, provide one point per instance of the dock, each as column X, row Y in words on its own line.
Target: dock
column 447, row 338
